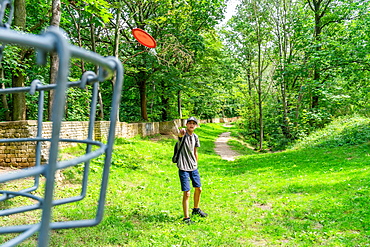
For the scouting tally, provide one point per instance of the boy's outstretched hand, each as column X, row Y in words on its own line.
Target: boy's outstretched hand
column 182, row 132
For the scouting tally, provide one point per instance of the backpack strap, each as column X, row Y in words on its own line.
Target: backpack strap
column 182, row 143
column 178, row 151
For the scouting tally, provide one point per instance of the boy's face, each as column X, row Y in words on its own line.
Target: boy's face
column 191, row 125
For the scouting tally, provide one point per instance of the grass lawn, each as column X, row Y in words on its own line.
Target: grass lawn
column 306, row 196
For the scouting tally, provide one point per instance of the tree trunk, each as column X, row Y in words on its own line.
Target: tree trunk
column 283, row 39
column 19, row 99
column 254, row 120
column 179, row 108
column 93, row 48
column 165, row 107
column 4, row 100
column 260, row 116
column 259, row 86
column 54, row 59
column 143, row 99
column 317, row 72
column 260, row 107
column 20, row 13
column 117, row 38
column 18, row 78
column 319, row 7
column 285, row 127
column 5, row 104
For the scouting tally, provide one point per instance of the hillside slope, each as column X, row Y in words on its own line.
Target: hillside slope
column 341, row 132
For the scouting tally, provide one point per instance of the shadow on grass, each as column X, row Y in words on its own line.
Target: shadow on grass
column 158, row 217
column 137, row 217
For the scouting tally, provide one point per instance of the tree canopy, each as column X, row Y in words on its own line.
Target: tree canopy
column 287, row 67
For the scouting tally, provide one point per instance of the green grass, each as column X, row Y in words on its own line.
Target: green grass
column 306, row 196
column 343, row 131
column 241, row 147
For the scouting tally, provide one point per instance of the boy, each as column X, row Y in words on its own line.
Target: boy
column 188, row 169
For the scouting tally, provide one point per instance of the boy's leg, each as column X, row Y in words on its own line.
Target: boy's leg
column 185, row 204
column 185, row 187
column 195, row 178
column 197, row 192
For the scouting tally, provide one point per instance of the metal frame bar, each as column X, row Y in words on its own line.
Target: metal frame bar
column 53, row 40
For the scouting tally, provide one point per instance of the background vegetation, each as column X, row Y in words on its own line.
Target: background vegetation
column 305, row 196
column 296, row 71
column 287, row 67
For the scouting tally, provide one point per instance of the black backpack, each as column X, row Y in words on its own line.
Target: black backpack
column 177, row 149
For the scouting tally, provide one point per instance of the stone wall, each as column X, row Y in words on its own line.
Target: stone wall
column 17, row 153
column 23, row 153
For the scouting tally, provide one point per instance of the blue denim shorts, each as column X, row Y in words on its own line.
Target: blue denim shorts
column 186, row 176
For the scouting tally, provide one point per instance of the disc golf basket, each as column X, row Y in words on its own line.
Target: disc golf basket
column 53, row 40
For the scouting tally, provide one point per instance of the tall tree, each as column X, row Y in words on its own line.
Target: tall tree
column 18, row 78
column 285, row 18
column 320, row 8
column 177, row 27
column 4, row 99
column 252, row 25
column 54, row 59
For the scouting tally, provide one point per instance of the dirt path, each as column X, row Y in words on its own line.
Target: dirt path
column 223, row 149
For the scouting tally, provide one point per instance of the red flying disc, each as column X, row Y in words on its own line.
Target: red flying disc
column 144, row 38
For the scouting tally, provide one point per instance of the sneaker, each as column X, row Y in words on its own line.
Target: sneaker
column 197, row 211
column 188, row 221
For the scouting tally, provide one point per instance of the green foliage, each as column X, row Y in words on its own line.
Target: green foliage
column 215, row 71
column 13, row 63
column 78, row 104
column 309, row 66
column 98, row 8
